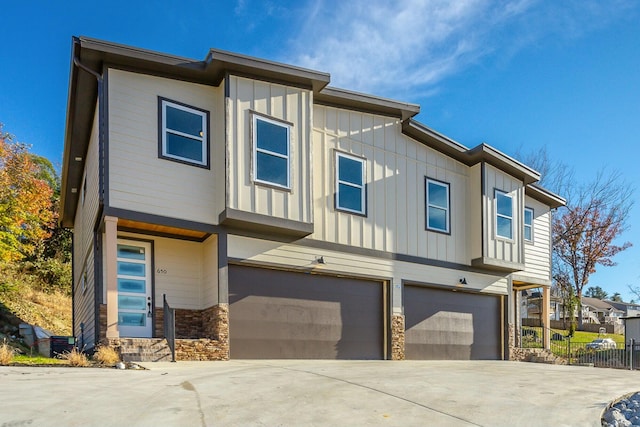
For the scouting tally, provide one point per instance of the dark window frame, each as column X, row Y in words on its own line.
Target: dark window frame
column 162, row 131
column 337, row 182
column 447, row 185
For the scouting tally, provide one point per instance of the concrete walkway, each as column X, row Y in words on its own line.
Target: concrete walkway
column 322, row 393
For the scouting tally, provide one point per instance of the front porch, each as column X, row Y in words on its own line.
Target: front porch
column 142, row 265
column 515, row 335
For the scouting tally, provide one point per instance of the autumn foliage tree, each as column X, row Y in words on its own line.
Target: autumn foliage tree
column 26, row 214
column 585, row 232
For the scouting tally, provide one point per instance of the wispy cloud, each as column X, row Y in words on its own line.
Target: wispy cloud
column 397, row 48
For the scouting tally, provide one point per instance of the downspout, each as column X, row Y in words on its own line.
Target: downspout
column 101, row 151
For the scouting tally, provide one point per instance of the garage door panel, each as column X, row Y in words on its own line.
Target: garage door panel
column 279, row 314
column 442, row 324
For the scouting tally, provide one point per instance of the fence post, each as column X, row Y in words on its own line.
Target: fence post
column 631, row 354
column 569, row 349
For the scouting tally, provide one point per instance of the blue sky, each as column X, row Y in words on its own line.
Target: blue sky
column 519, row 75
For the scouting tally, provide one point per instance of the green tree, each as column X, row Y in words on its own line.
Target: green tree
column 616, row 297
column 596, row 292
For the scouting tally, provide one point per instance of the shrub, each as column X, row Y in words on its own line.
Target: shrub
column 106, row 356
column 6, row 353
column 75, row 358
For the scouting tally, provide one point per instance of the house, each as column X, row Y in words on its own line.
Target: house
column 531, row 305
column 629, row 309
column 597, row 311
column 284, row 218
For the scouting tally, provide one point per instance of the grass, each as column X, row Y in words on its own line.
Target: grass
column 582, row 336
column 23, row 359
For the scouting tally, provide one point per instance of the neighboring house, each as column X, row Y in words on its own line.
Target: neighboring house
column 283, row 218
column 601, row 312
column 532, row 304
column 629, row 309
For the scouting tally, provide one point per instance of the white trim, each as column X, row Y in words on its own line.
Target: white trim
column 447, row 208
column 145, row 331
column 200, row 138
column 498, row 215
column 361, row 187
column 524, row 221
column 257, row 149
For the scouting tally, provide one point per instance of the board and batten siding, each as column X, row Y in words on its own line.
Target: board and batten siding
column 537, row 254
column 83, row 240
column 510, row 250
column 281, row 102
column 141, row 181
column 396, row 167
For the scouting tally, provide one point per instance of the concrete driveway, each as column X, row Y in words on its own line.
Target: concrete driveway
column 298, row 393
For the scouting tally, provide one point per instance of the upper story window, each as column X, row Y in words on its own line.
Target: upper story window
column 184, row 135
column 528, row 224
column 350, row 184
column 504, row 215
column 437, row 197
column 271, row 152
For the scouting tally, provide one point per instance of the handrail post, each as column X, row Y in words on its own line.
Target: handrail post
column 169, row 326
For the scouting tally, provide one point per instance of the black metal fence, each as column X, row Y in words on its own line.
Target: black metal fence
column 604, row 353
column 169, row 317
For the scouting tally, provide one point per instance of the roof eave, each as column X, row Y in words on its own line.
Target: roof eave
column 362, row 102
column 545, row 196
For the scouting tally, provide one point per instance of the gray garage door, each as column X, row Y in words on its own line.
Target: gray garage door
column 286, row 315
column 445, row 325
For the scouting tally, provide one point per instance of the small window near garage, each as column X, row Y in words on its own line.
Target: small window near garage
column 271, row 152
column 184, row 133
column 350, row 184
column 528, row 224
column 437, row 197
column 504, row 215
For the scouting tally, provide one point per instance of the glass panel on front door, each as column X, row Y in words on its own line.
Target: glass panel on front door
column 135, row 308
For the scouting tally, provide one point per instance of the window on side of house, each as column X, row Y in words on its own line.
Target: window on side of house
column 438, row 212
column 83, row 281
column 528, row 224
column 504, row 215
column 350, row 184
column 184, row 133
column 271, row 152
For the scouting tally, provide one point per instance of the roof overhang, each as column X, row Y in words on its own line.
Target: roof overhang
column 90, row 56
column 545, row 196
column 470, row 157
column 342, row 98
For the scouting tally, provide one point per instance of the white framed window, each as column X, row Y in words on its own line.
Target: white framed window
column 83, row 194
column 350, row 184
column 271, row 152
column 528, row 224
column 438, row 202
column 504, row 215
column 184, row 133
column 83, row 282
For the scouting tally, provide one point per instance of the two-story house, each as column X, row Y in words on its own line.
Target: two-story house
column 283, row 218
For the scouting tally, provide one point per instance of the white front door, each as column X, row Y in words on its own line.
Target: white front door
column 135, row 305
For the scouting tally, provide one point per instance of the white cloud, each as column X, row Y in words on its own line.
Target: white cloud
column 397, row 48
